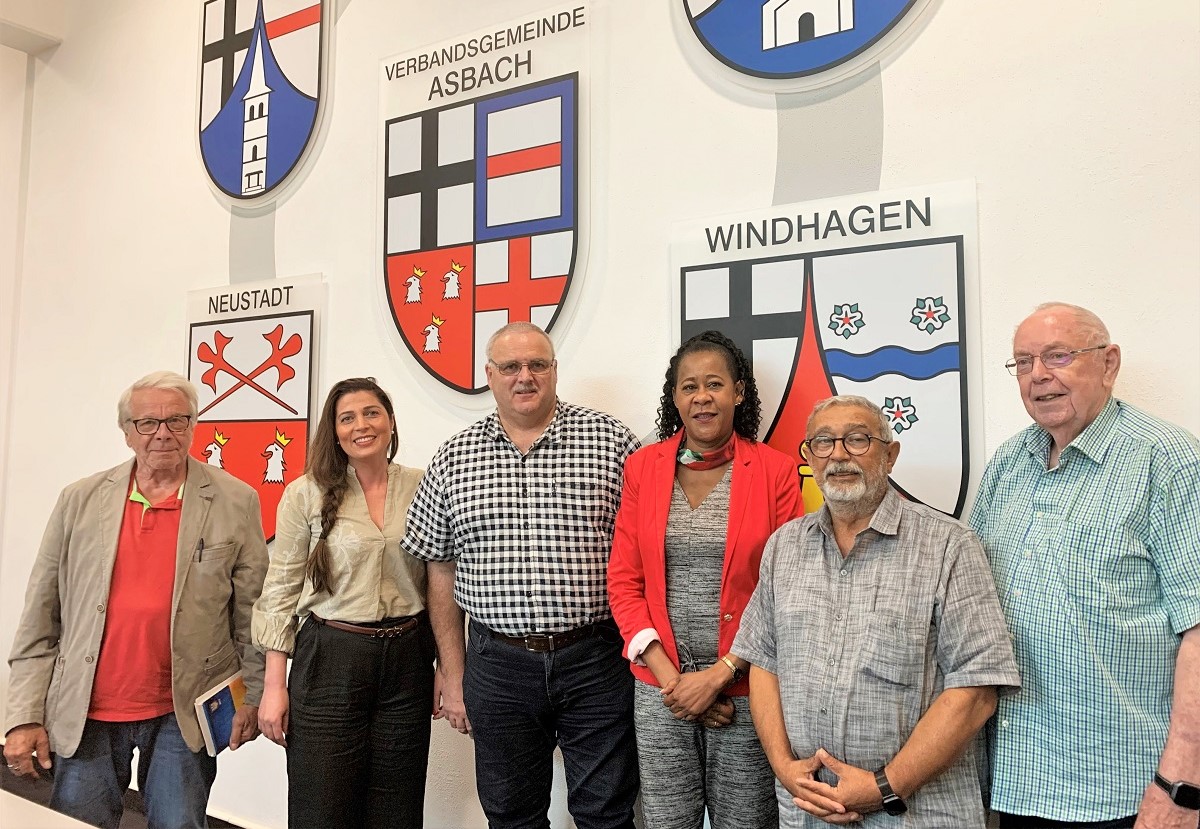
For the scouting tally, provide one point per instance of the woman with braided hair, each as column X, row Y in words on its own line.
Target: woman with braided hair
column 348, row 605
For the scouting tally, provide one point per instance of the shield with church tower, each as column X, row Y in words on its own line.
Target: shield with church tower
column 261, row 81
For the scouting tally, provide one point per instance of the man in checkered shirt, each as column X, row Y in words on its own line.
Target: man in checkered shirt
column 515, row 517
column 876, row 643
column 1091, row 519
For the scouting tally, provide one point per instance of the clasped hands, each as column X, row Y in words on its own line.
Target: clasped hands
column 854, row 795
column 696, row 697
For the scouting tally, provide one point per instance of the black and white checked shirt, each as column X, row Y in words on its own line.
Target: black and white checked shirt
column 531, row 533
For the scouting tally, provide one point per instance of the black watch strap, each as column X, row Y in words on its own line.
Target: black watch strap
column 1183, row 794
column 892, row 802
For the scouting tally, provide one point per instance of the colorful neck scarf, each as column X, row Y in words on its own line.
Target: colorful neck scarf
column 706, row 460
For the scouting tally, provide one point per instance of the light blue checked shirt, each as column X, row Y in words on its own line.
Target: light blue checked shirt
column 1097, row 563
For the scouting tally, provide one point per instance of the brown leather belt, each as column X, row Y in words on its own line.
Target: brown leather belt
column 546, row 642
column 389, row 632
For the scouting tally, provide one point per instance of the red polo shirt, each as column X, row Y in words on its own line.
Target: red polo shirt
column 133, row 671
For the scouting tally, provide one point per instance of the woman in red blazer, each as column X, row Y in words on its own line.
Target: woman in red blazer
column 696, row 511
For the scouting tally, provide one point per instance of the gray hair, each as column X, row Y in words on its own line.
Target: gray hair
column 158, row 380
column 1094, row 330
column 885, row 425
column 517, row 328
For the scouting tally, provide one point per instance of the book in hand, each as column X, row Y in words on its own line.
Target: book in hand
column 215, row 709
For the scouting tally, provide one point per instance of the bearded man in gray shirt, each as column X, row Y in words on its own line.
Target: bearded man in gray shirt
column 876, row 642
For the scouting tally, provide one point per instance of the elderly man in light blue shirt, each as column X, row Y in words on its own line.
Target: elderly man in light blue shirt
column 1091, row 519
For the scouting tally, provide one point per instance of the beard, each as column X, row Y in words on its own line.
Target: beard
column 865, row 490
column 843, row 492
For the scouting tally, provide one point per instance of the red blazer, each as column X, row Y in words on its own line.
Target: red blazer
column 764, row 495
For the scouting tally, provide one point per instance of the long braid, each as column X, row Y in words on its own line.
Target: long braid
column 317, row 569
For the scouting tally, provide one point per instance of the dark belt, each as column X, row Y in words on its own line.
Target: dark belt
column 545, row 642
column 390, row 631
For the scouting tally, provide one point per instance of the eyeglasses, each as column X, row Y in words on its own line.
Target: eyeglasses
column 1050, row 359
column 149, row 425
column 856, row 443
column 513, row 367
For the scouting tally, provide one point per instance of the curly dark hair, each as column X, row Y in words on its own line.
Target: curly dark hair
column 747, row 416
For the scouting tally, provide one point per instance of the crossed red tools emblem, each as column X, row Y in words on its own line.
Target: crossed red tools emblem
column 280, row 351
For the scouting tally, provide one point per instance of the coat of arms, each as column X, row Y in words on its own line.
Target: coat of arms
column 791, row 38
column 868, row 295
column 254, row 376
column 260, row 90
column 480, row 221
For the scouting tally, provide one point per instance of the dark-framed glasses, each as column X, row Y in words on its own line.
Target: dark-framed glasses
column 1058, row 358
column 149, row 425
column 856, row 443
column 513, row 367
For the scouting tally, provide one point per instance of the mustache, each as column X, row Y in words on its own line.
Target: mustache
column 837, row 467
column 524, row 387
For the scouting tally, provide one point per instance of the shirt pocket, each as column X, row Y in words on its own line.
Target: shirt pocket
column 894, row 650
column 1106, row 568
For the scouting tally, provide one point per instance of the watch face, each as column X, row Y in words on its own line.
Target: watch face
column 1187, row 795
column 894, row 805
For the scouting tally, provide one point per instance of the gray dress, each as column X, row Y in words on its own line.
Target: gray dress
column 685, row 766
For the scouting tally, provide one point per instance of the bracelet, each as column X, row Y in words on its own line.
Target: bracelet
column 732, row 666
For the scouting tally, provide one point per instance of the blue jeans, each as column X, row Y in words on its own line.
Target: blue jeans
column 174, row 780
column 521, row 704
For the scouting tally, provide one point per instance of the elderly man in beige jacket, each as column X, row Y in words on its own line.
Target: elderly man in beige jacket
column 139, row 601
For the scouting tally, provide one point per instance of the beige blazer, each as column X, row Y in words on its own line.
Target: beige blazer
column 53, row 660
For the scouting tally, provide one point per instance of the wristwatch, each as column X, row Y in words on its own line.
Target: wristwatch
column 1185, row 795
column 892, row 804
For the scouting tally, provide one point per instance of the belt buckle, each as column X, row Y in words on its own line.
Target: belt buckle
column 539, row 642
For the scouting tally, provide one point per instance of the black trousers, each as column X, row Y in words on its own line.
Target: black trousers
column 358, row 735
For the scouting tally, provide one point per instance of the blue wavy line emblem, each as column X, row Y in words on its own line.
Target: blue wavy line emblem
column 892, row 359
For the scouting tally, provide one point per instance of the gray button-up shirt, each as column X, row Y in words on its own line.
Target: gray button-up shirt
column 863, row 645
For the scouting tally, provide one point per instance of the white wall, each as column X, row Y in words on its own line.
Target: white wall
column 1079, row 121
column 13, row 99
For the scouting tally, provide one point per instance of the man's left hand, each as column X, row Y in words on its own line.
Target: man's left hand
column 245, row 726
column 1158, row 811
column 854, row 795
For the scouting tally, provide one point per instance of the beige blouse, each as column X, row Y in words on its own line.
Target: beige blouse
column 372, row 577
